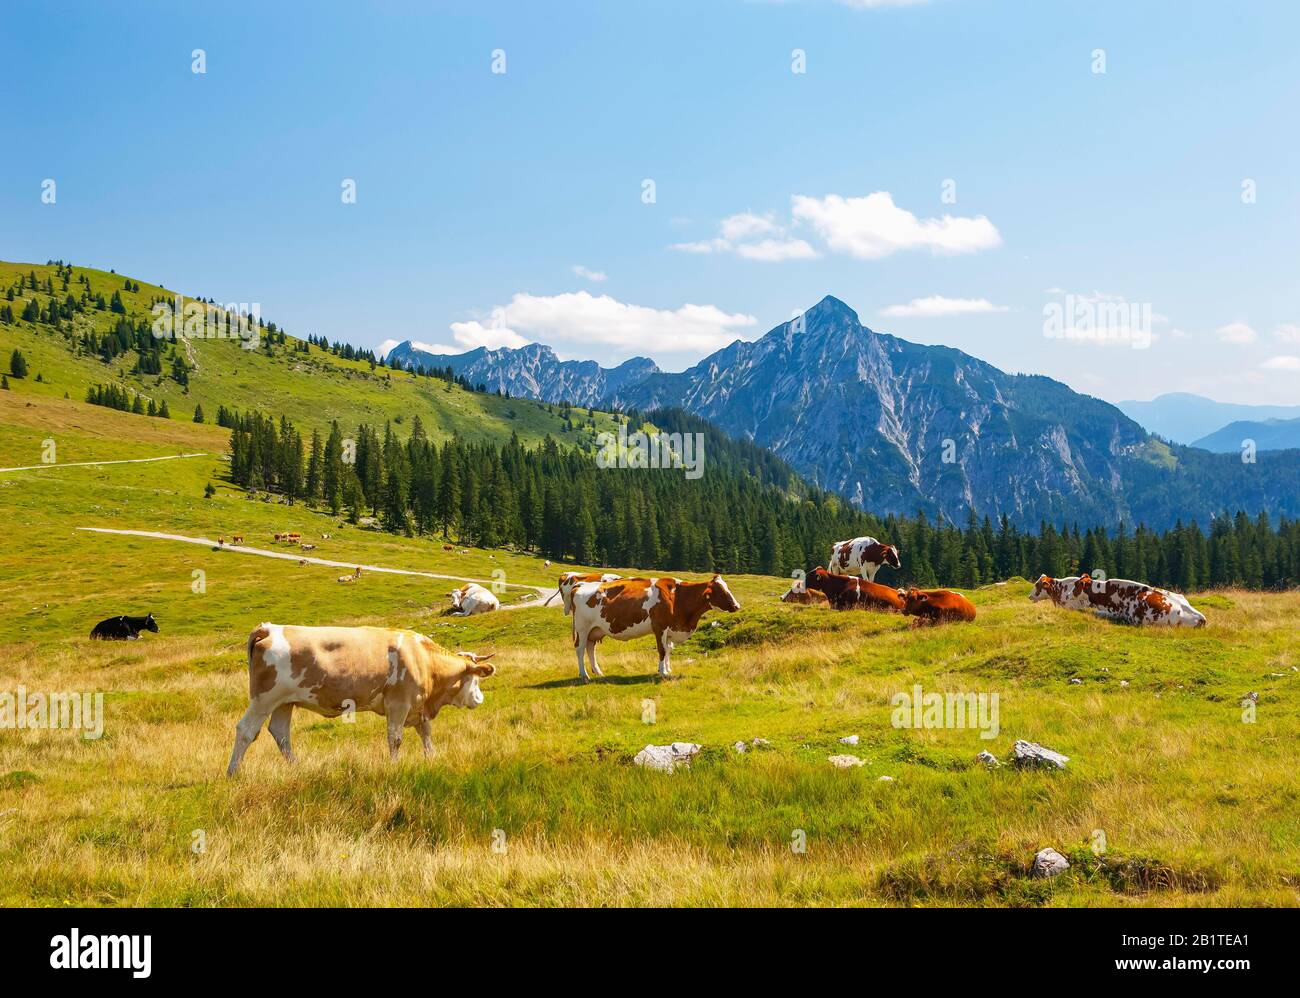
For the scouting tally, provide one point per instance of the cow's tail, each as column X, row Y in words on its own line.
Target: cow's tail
column 551, row 597
column 259, row 632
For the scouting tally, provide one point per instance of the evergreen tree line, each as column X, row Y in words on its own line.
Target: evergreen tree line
column 117, row 397
column 558, row 503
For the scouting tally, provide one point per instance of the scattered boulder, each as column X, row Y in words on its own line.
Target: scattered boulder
column 740, row 746
column 849, row 740
column 1076, row 682
column 760, row 743
column 1123, row 682
column 665, row 758
column 988, row 758
column 845, row 761
column 1049, row 863
column 1029, row 755
column 884, row 779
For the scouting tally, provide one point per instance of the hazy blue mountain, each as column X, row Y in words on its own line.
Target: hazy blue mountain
column 1268, row 434
column 1183, row 418
column 531, row 371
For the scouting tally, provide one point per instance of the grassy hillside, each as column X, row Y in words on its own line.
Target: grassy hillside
column 310, row 389
column 1196, row 806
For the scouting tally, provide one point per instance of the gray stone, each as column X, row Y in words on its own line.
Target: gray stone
column 845, row 761
column 665, row 758
column 1049, row 863
column 988, row 758
column 1031, row 754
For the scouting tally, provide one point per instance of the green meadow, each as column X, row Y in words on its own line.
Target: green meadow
column 1173, row 794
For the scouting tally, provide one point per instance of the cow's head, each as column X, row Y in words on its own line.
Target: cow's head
column 815, row 578
column 889, row 556
column 467, row 693
column 914, row 600
column 457, row 595
column 1043, row 588
column 720, row 597
column 150, row 624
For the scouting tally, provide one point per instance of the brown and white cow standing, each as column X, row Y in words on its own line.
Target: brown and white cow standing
column 1121, row 599
column 570, row 581
column 862, row 556
column 937, row 606
column 334, row 670
column 849, row 592
column 630, row 608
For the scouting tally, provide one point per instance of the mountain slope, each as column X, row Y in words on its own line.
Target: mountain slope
column 1268, row 434
column 532, row 371
column 309, row 385
column 1185, row 418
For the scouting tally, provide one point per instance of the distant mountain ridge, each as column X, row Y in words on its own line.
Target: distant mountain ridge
column 532, row 371
column 899, row 427
column 1268, row 434
column 1185, row 418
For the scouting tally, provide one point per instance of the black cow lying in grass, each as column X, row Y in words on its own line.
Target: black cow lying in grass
column 124, row 628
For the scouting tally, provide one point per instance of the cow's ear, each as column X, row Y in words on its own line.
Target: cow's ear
column 483, row 671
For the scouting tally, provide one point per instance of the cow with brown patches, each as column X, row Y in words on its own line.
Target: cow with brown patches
column 1119, row 599
column 862, row 556
column 849, row 592
column 630, row 608
column 335, row 670
column 805, row 597
column 570, row 581
column 936, row 606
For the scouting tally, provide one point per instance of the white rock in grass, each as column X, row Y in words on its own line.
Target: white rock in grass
column 884, row 779
column 740, row 746
column 845, row 761
column 665, row 758
column 1049, row 863
column 760, row 743
column 849, row 740
column 988, row 758
column 1123, row 682
column 1076, row 682
column 1031, row 754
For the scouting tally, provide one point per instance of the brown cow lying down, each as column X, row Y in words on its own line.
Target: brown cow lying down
column 332, row 670
column 808, row 597
column 937, row 606
column 849, row 592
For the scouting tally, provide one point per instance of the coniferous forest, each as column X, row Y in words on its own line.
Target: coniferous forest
column 748, row 513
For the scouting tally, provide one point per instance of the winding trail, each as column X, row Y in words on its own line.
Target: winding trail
column 94, row 464
column 540, row 591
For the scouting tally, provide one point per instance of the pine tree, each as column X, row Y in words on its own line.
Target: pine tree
column 18, row 364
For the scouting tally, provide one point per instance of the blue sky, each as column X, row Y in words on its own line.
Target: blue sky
column 479, row 192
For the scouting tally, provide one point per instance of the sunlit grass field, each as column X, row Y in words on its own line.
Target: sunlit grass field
column 533, row 798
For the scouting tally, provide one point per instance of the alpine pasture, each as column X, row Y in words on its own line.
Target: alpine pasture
column 533, row 798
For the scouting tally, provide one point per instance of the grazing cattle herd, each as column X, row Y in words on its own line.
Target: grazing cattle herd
column 408, row 678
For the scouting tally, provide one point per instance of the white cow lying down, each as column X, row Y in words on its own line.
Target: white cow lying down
column 470, row 599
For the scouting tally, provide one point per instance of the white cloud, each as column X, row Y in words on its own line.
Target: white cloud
column 1287, row 332
column 1236, row 332
column 590, row 275
column 873, row 227
column 772, row 250
column 740, row 234
column 1285, row 362
column 386, row 346
column 576, row 323
column 746, row 224
column 936, row 306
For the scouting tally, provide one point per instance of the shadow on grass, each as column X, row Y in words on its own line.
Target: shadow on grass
column 561, row 684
